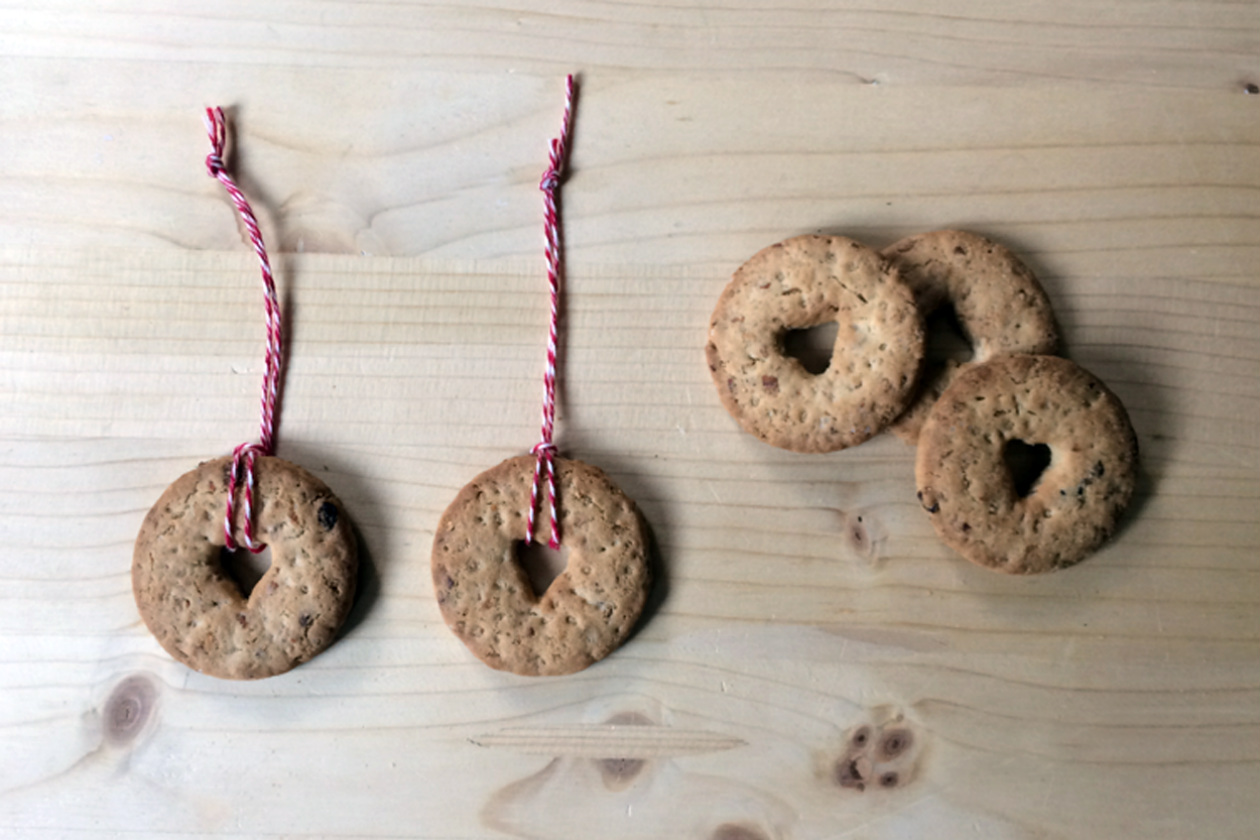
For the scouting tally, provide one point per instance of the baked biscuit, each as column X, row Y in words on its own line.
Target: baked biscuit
column 969, row 491
column 486, row 597
column 1000, row 306
column 195, row 608
column 800, row 283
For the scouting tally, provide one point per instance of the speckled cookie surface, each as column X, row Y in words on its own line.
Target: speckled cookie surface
column 486, row 597
column 1000, row 306
column 801, row 283
column 194, row 607
column 969, row 492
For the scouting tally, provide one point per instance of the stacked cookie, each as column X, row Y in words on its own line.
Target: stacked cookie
column 967, row 417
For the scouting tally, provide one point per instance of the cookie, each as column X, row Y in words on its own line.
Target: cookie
column 1000, row 307
column 969, row 491
column 195, row 608
column 801, row 283
column 486, row 597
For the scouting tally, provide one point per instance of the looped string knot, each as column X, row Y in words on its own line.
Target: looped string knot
column 244, row 455
column 545, row 450
column 216, row 128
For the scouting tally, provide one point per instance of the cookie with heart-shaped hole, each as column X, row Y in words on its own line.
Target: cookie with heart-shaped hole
column 485, row 594
column 1025, row 524
column 798, row 284
column 195, row 608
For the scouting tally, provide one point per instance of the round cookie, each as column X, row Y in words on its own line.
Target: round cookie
column 1000, row 307
column 486, row 598
column 966, row 486
column 801, row 283
column 196, row 610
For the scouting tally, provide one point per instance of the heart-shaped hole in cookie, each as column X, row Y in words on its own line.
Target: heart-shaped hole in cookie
column 1026, row 462
column 812, row 346
column 245, row 568
column 541, row 563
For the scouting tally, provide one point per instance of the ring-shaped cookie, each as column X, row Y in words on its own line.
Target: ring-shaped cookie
column 486, row 597
column 800, row 283
column 194, row 607
column 968, row 490
column 999, row 305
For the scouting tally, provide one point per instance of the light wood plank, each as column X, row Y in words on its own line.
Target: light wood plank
column 1141, row 43
column 393, row 151
column 787, row 621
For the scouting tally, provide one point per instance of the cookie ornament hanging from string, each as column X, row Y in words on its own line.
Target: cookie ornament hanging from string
column 250, row 500
column 483, row 590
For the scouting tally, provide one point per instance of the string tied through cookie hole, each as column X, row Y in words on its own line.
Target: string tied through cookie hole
column 244, row 455
column 545, row 451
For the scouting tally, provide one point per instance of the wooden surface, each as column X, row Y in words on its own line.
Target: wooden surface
column 397, row 147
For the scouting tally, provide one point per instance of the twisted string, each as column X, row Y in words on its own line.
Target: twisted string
column 243, row 456
column 545, row 450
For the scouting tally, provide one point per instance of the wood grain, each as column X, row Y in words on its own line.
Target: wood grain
column 393, row 152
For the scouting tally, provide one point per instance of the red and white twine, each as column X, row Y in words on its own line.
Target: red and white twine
column 545, row 450
column 244, row 455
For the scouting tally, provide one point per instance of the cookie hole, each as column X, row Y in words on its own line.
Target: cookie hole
column 946, row 339
column 1026, row 462
column 244, row 567
column 541, row 564
column 813, row 346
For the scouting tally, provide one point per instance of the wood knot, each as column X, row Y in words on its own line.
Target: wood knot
column 128, row 709
column 877, row 755
column 737, row 831
column 863, row 533
column 620, row 773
